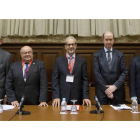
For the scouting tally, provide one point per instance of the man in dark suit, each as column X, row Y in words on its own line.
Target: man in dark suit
column 110, row 72
column 70, row 78
column 27, row 78
column 5, row 61
column 134, row 78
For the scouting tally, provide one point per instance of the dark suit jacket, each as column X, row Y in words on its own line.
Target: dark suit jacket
column 104, row 76
column 5, row 61
column 35, row 88
column 134, row 77
column 79, row 89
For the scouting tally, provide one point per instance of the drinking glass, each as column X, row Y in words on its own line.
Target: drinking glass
column 1, row 108
column 73, row 107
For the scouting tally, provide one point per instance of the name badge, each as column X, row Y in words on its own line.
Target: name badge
column 70, row 78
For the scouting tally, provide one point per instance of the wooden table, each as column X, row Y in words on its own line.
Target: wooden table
column 51, row 113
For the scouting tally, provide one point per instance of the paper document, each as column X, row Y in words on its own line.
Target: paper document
column 69, row 107
column 7, row 107
column 134, row 112
column 121, row 107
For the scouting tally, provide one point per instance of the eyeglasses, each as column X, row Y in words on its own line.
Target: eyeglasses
column 70, row 45
column 27, row 52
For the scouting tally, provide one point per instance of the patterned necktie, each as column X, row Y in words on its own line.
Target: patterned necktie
column 109, row 59
column 25, row 73
column 70, row 64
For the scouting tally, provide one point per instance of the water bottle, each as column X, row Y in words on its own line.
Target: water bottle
column 134, row 104
column 64, row 105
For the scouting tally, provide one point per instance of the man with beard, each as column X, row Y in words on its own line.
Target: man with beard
column 27, row 78
column 70, row 78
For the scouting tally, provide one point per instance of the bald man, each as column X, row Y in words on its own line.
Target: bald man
column 28, row 78
column 110, row 72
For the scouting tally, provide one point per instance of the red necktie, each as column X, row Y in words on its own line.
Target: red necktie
column 71, row 65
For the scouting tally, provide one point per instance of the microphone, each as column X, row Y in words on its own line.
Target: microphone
column 20, row 111
column 98, row 106
column 21, row 102
column 97, row 101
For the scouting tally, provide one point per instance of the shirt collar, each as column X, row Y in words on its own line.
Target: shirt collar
column 70, row 56
column 107, row 49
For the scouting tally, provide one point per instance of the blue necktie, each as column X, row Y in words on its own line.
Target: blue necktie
column 26, row 70
column 26, row 67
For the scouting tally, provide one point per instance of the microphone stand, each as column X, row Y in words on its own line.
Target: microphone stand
column 97, row 111
column 22, row 112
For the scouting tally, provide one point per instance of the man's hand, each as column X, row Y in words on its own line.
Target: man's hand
column 56, row 102
column 87, row 102
column 43, row 104
column 15, row 103
column 111, row 96
column 5, row 100
column 109, row 91
column 111, row 88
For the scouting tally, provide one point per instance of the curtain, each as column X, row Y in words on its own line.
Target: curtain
column 79, row 27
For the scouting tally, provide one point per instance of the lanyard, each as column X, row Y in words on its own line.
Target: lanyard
column 25, row 72
column 70, row 70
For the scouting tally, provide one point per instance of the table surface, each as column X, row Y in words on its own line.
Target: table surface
column 50, row 113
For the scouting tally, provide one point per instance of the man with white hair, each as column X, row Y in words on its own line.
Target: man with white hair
column 70, row 78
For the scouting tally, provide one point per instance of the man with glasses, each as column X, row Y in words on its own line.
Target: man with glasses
column 70, row 78
column 5, row 61
column 27, row 78
column 110, row 72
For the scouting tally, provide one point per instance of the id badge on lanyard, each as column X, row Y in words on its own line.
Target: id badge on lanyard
column 70, row 78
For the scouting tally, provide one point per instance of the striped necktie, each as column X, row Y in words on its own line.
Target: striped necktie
column 70, row 64
column 25, row 73
column 109, row 59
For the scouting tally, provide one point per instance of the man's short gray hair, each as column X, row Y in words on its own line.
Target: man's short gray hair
column 71, row 38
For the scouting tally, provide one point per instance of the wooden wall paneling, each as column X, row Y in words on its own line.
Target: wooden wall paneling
column 128, row 55
column 15, row 54
column 49, row 56
column 88, row 56
column 14, row 57
column 48, row 52
column 127, row 94
column 35, row 55
column 89, row 60
column 92, row 94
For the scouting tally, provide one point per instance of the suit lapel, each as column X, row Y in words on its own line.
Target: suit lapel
column 76, row 64
column 20, row 70
column 30, row 69
column 113, row 59
column 65, row 62
column 1, row 53
column 105, row 59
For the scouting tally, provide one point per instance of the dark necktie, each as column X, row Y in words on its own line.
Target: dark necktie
column 109, row 59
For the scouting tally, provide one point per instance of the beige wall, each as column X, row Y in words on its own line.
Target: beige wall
column 59, row 39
